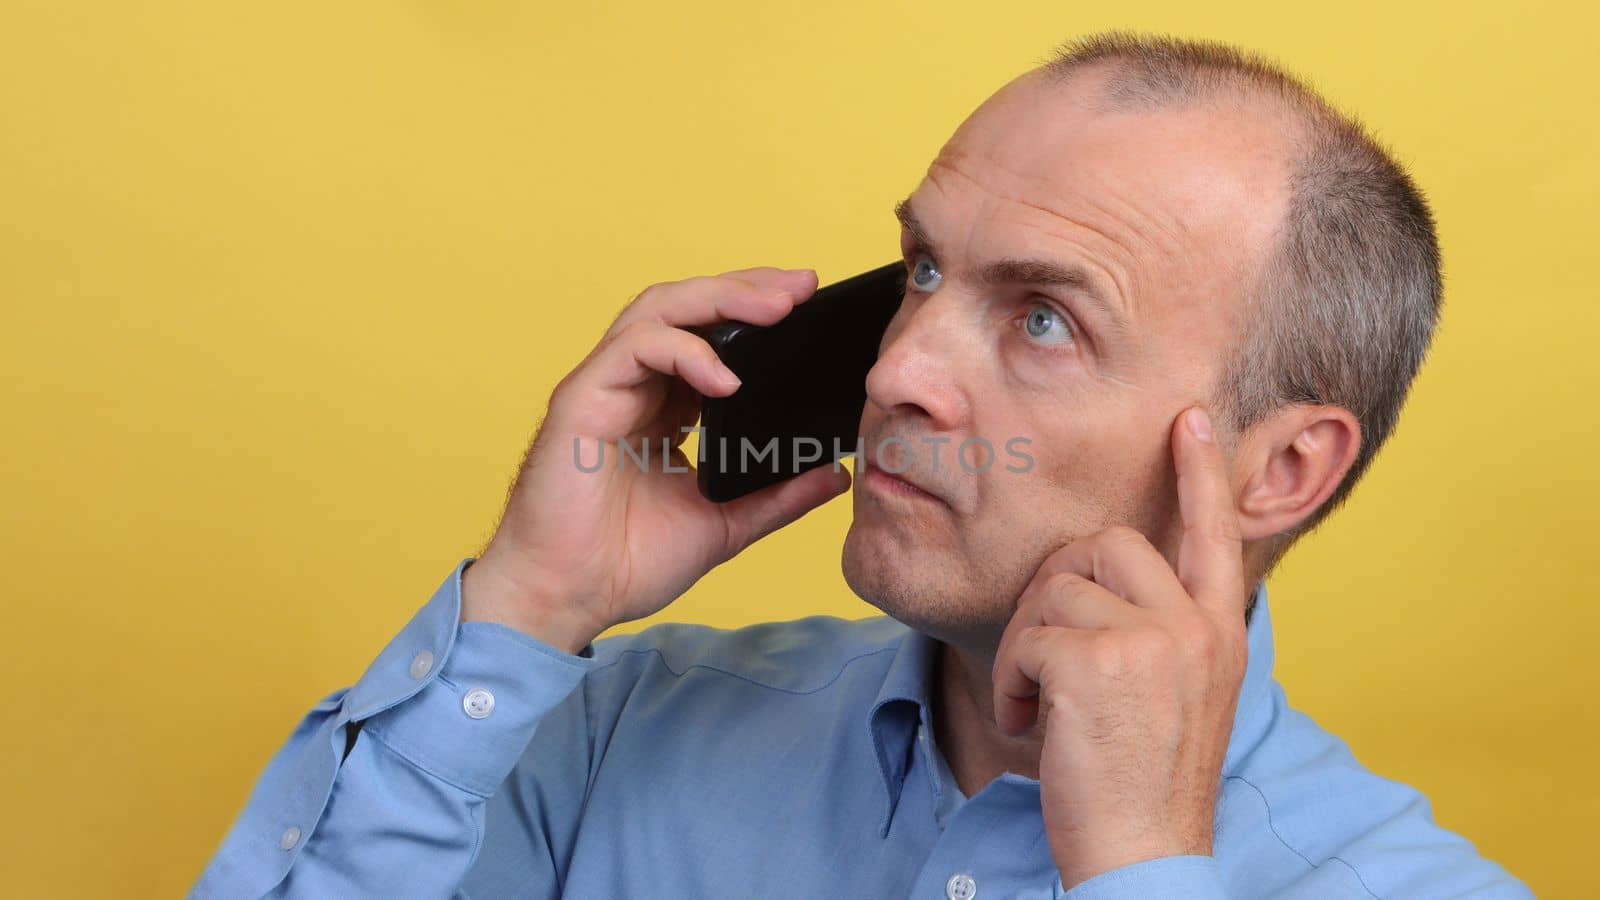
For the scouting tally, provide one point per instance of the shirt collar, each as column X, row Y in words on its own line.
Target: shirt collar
column 903, row 702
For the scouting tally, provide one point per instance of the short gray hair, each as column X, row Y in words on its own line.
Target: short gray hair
column 1344, row 308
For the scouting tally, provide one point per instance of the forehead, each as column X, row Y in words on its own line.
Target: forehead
column 1193, row 193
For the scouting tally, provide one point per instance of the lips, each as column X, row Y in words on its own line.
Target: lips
column 896, row 482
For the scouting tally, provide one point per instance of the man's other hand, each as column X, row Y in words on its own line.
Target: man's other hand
column 1133, row 671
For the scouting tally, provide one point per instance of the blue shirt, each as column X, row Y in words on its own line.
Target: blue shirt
column 786, row 759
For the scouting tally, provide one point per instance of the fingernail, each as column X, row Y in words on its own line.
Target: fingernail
column 1200, row 424
column 725, row 374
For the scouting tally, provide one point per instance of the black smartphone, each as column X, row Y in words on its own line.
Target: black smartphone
column 803, row 383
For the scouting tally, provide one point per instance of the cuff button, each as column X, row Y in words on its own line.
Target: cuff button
column 478, row 703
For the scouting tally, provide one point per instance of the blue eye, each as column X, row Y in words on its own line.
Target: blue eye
column 1046, row 326
column 925, row 275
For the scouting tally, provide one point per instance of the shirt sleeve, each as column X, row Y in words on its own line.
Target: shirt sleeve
column 1190, row 877
column 381, row 789
column 1201, row 878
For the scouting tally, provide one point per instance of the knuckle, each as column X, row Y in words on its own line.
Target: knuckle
column 651, row 295
column 631, row 331
column 1110, row 653
column 704, row 283
column 647, row 334
column 690, row 346
column 1122, row 536
column 1055, row 697
column 1033, row 637
column 649, row 302
column 625, row 325
column 1132, row 654
column 1151, row 646
column 1201, row 640
column 1225, row 525
column 1040, row 642
column 562, row 388
column 1066, row 584
column 1223, row 646
column 571, row 380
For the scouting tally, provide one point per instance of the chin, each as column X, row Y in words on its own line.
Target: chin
column 927, row 591
column 871, row 567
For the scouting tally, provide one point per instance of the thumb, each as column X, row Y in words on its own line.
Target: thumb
column 753, row 517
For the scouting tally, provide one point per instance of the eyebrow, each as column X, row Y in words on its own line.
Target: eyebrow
column 1024, row 271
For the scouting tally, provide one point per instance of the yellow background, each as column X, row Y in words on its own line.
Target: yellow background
column 286, row 285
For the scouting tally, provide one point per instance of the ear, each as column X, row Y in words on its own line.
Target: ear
column 1290, row 464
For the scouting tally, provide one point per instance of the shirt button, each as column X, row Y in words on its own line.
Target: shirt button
column 421, row 664
column 290, row 838
column 961, row 887
column 478, row 703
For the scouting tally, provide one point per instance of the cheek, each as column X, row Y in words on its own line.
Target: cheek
column 1051, row 391
column 1088, row 470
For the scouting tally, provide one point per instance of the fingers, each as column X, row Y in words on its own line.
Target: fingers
column 795, row 281
column 1122, row 560
column 647, row 349
column 1209, row 559
column 645, row 342
column 602, row 398
column 1030, row 658
column 1070, row 600
column 760, row 296
column 752, row 517
column 1067, row 603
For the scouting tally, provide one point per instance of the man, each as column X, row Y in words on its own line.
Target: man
column 1201, row 295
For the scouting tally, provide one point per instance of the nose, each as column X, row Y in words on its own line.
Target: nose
column 917, row 372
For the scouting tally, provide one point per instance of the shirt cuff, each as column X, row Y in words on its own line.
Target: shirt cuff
column 461, row 700
column 1190, row 877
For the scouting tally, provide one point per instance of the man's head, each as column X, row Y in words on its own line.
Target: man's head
column 1214, row 233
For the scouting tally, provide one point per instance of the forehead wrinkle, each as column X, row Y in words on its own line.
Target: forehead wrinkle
column 1163, row 234
column 1121, row 282
column 1123, row 232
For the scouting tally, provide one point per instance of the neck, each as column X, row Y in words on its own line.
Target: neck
column 964, row 727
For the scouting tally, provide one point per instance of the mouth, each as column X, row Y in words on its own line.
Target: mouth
column 882, row 483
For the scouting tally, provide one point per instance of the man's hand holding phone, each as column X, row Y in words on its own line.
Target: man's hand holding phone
column 579, row 551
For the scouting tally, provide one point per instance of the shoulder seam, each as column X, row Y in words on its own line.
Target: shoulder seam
column 1290, row 847
column 772, row 687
